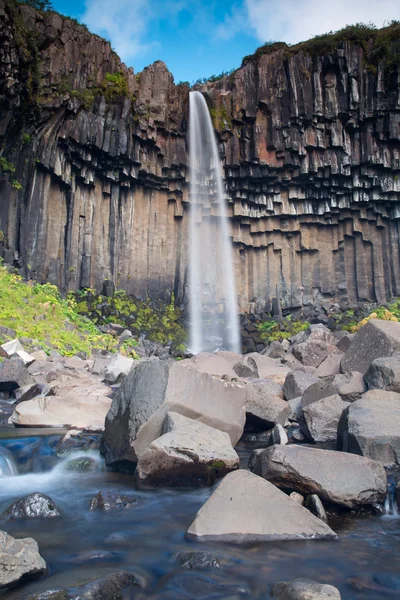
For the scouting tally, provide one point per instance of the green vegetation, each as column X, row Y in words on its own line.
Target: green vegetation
column 271, row 331
column 38, row 4
column 113, row 87
column 349, row 321
column 26, row 138
column 378, row 45
column 220, row 118
column 39, row 313
column 158, row 322
column 6, row 166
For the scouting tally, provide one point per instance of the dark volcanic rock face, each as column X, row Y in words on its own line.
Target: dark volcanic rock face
column 310, row 145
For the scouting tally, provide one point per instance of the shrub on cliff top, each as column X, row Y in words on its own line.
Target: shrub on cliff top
column 38, row 4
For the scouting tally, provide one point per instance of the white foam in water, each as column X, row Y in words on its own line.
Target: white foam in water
column 391, row 509
column 45, row 482
column 8, row 466
column 213, row 307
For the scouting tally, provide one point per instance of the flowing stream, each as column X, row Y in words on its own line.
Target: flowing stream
column 213, row 303
column 83, row 544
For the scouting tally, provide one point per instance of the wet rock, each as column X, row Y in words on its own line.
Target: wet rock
column 384, row 374
column 83, row 411
column 261, row 437
column 76, row 441
column 196, row 560
column 245, row 508
column 296, row 383
column 33, row 506
column 118, row 369
column 19, row 560
column 264, row 404
column 320, row 419
column 80, row 464
column 371, row 427
column 189, row 453
column 297, row 435
column 14, row 374
column 106, row 501
column 376, row 339
column 199, row 586
column 314, row 505
column 337, row 478
column 115, row 586
column 305, row 589
column 154, row 388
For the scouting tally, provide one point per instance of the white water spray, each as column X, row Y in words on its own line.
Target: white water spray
column 214, row 319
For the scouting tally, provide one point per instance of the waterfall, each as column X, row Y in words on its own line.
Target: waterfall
column 8, row 466
column 213, row 306
column 391, row 508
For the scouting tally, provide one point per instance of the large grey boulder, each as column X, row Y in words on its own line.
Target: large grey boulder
column 320, row 419
column 14, row 374
column 19, row 559
column 33, row 506
column 256, row 365
column 83, row 411
column 315, row 333
column 264, row 403
column 375, row 339
column 371, row 427
column 349, row 387
column 245, row 508
column 296, row 383
column 384, row 374
column 188, row 454
column 336, row 477
column 154, row 388
column 311, row 353
column 304, row 589
column 118, row 368
column 330, row 366
column 218, row 364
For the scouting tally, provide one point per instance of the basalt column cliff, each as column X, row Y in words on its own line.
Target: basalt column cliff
column 94, row 178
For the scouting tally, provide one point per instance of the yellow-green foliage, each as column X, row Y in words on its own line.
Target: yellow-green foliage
column 271, row 331
column 113, row 87
column 159, row 322
column 38, row 312
column 390, row 313
column 220, row 118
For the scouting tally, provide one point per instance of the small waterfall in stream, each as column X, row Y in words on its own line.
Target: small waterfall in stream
column 8, row 466
column 391, row 508
column 213, row 307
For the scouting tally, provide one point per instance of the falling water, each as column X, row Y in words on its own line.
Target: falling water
column 8, row 466
column 213, row 306
column 391, row 508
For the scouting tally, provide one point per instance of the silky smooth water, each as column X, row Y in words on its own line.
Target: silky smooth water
column 82, row 544
column 213, row 306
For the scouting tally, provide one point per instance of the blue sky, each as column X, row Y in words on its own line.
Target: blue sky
column 199, row 38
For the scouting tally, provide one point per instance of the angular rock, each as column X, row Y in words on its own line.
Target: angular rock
column 315, row 333
column 76, row 441
column 296, row 383
column 196, row 560
column 330, row 366
column 376, row 339
column 154, row 388
column 297, row 497
column 384, row 374
column 336, row 477
column 28, row 392
column 10, row 348
column 320, row 419
column 33, row 506
column 345, row 341
column 75, row 363
column 19, row 560
column 14, row 374
column 295, row 409
column 278, row 436
column 110, row 501
column 188, row 454
column 311, row 353
column 118, row 369
column 314, row 505
column 305, row 589
column 264, row 405
column 116, row 586
column 371, row 427
column 218, row 364
column 85, row 412
column 349, row 386
column 245, row 508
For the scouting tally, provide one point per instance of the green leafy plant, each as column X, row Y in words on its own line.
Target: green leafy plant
column 271, row 331
column 41, row 5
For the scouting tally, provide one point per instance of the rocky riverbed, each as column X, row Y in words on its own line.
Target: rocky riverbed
column 126, row 499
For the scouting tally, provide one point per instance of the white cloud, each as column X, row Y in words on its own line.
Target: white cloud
column 234, row 22
column 297, row 20
column 126, row 23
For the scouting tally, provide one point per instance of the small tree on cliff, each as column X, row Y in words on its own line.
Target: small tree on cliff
column 38, row 4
